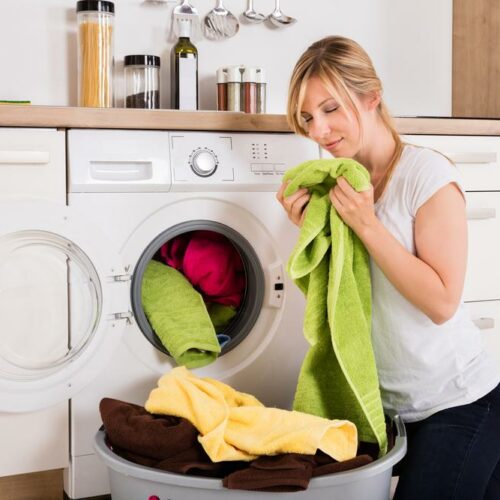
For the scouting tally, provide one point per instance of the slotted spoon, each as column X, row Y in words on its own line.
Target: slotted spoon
column 219, row 23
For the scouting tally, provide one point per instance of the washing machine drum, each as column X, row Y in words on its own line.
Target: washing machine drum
column 201, row 279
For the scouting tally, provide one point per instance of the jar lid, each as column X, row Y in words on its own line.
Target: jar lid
column 250, row 75
column 261, row 75
column 142, row 60
column 95, row 5
column 234, row 74
column 222, row 75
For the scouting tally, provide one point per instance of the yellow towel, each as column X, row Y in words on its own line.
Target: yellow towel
column 237, row 426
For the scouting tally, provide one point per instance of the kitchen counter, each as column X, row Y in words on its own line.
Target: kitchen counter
column 120, row 118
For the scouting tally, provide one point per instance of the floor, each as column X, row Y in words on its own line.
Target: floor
column 46, row 485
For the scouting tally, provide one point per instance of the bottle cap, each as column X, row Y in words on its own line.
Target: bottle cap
column 184, row 28
column 222, row 75
column 250, row 75
column 234, row 74
column 261, row 75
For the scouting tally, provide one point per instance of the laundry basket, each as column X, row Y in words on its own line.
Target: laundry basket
column 135, row 482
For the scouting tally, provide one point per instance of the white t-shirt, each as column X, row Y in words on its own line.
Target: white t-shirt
column 423, row 367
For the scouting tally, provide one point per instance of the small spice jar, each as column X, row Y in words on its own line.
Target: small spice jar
column 142, row 81
column 222, row 89
column 95, row 20
column 234, row 88
column 250, row 90
column 261, row 91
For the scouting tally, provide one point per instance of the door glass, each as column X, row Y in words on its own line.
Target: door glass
column 50, row 299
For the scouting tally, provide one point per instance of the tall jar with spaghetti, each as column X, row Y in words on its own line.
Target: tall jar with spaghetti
column 95, row 53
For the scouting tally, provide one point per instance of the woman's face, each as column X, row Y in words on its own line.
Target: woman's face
column 331, row 125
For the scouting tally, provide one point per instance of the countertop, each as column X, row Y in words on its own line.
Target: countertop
column 120, row 118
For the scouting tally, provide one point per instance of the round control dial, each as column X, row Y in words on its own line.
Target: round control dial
column 204, row 162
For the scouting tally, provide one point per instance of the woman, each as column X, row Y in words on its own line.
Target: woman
column 432, row 368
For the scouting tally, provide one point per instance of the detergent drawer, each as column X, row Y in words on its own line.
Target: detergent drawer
column 121, row 161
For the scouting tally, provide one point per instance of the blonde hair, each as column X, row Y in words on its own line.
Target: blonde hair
column 344, row 68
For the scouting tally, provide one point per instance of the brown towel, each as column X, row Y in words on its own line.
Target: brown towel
column 162, row 442
column 289, row 472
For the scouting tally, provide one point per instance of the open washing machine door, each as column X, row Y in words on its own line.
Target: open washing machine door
column 64, row 300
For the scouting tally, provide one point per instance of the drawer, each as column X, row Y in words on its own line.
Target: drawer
column 486, row 316
column 483, row 267
column 33, row 164
column 477, row 158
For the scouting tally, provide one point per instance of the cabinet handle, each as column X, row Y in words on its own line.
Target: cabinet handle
column 472, row 157
column 481, row 213
column 484, row 323
column 24, row 157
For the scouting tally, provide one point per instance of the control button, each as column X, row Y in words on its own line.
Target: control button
column 203, row 162
column 262, row 167
column 280, row 168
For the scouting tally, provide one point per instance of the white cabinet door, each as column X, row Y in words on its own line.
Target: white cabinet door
column 486, row 316
column 33, row 165
column 477, row 158
column 483, row 266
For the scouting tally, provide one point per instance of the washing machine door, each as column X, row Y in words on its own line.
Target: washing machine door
column 63, row 303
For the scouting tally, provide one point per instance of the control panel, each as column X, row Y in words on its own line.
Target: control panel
column 218, row 161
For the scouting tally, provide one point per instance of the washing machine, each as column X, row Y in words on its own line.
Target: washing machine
column 140, row 190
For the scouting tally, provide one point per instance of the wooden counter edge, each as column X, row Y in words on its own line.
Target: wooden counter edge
column 120, row 118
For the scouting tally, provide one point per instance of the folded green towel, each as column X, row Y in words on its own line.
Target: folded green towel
column 178, row 316
column 329, row 263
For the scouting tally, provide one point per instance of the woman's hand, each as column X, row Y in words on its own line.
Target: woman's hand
column 295, row 204
column 357, row 209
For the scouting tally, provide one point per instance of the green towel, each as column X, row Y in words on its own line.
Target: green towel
column 220, row 315
column 329, row 263
column 178, row 316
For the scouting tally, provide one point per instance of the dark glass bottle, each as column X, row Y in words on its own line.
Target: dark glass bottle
column 184, row 70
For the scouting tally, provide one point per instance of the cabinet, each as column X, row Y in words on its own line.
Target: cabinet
column 476, row 64
column 477, row 158
column 32, row 166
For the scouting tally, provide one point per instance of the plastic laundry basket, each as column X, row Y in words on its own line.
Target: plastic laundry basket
column 135, row 482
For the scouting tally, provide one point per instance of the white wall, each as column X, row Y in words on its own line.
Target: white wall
column 409, row 42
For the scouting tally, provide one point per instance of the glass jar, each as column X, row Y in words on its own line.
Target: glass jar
column 142, row 81
column 95, row 20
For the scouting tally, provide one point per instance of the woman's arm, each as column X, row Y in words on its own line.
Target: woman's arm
column 433, row 279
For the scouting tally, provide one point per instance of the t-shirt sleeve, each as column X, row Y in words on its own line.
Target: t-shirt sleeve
column 431, row 172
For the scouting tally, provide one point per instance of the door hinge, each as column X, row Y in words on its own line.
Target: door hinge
column 122, row 277
column 127, row 316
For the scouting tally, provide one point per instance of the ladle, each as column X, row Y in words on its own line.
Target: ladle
column 279, row 19
column 251, row 15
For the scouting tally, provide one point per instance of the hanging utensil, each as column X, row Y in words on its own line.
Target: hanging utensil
column 278, row 18
column 185, row 13
column 220, row 23
column 251, row 15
